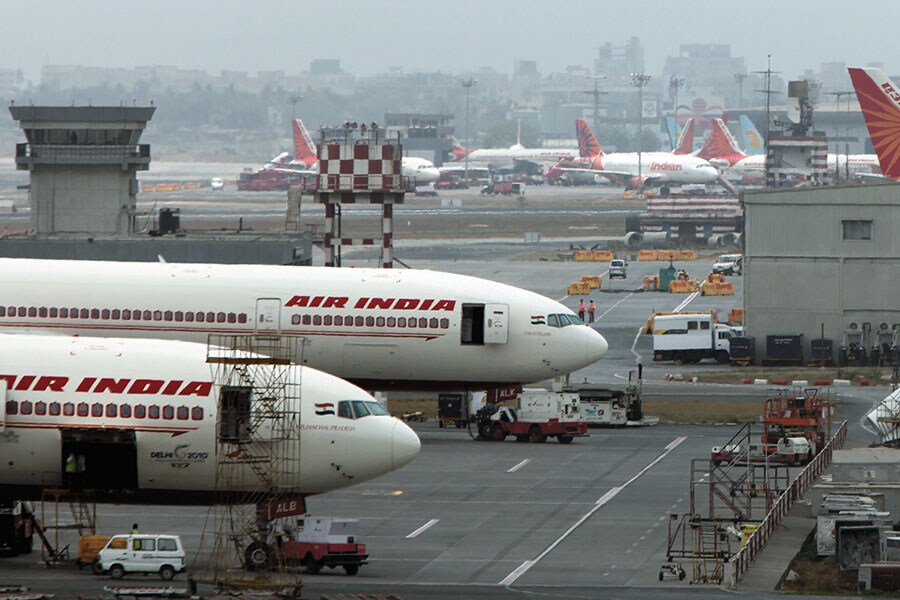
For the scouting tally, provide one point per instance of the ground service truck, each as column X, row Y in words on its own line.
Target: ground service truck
column 533, row 418
column 689, row 338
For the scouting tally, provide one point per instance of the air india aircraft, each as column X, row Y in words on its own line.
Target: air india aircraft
column 879, row 99
column 379, row 328
column 151, row 423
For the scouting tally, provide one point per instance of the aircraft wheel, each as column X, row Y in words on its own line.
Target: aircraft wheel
column 259, row 557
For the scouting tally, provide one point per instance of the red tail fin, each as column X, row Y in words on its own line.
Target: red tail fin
column 686, row 139
column 304, row 147
column 879, row 99
column 588, row 146
column 721, row 144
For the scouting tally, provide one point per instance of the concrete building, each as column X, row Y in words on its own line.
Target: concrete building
column 822, row 257
column 83, row 162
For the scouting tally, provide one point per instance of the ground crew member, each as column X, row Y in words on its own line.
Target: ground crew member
column 581, row 309
column 591, row 309
column 134, row 529
column 71, row 469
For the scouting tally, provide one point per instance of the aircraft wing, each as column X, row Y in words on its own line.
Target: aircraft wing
column 874, row 177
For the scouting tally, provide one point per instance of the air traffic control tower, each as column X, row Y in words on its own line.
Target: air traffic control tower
column 83, row 162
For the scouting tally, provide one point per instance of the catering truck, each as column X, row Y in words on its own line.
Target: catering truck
column 691, row 337
column 533, row 418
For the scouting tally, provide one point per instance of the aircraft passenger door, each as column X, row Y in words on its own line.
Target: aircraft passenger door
column 268, row 315
column 496, row 323
column 2, row 404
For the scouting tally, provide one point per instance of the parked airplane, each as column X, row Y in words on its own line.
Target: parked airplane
column 879, row 100
column 657, row 168
column 721, row 149
column 753, row 141
column 498, row 157
column 383, row 329
column 306, row 161
column 144, row 415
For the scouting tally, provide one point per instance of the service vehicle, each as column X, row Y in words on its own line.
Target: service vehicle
column 729, row 264
column 426, row 190
column 533, row 418
column 16, row 534
column 789, row 451
column 314, row 543
column 691, row 337
column 141, row 553
column 216, row 183
column 617, row 268
column 504, row 188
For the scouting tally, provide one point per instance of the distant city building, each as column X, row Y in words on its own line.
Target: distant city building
column 616, row 63
column 706, row 67
column 325, row 66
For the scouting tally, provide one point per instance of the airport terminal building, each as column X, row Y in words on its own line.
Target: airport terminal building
column 823, row 257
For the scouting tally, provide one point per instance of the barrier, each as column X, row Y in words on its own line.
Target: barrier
column 715, row 288
column 578, row 289
column 682, row 287
column 584, row 255
column 602, row 255
column 685, row 255
column 737, row 565
column 665, row 255
column 647, row 255
column 736, row 316
column 651, row 283
column 593, row 281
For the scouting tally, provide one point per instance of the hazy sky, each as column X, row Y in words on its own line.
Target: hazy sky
column 448, row 35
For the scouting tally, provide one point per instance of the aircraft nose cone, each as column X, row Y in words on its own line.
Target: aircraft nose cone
column 596, row 346
column 405, row 445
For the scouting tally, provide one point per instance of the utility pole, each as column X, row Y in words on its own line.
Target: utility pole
column 639, row 80
column 740, row 77
column 768, row 92
column 596, row 93
column 837, row 167
column 468, row 84
column 675, row 84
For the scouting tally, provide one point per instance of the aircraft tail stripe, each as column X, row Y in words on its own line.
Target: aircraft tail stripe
column 686, row 139
column 304, row 147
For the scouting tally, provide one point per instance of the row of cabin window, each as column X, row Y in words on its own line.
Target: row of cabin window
column 339, row 320
column 112, row 411
column 116, row 314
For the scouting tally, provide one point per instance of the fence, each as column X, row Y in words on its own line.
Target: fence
column 738, row 564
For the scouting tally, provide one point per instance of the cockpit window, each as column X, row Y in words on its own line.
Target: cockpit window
column 357, row 409
column 553, row 320
column 563, row 320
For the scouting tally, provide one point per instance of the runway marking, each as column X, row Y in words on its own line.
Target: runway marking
column 566, row 297
column 519, row 466
column 422, row 529
column 634, row 343
column 608, row 310
column 601, row 502
column 687, row 301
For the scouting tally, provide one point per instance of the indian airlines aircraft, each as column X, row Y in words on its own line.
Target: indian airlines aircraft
column 380, row 328
column 306, row 160
column 657, row 168
column 144, row 415
column 879, row 100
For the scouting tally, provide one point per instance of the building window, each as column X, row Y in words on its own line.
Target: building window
column 857, row 230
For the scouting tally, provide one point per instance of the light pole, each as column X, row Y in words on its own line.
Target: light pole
column 639, row 80
column 468, row 84
column 596, row 93
column 675, row 84
column 294, row 99
column 740, row 77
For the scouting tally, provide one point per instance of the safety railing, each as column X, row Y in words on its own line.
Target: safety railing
column 82, row 153
column 738, row 564
column 362, row 183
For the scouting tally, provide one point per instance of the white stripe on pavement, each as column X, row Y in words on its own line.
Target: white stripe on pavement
column 422, row 529
column 519, row 466
column 525, row 566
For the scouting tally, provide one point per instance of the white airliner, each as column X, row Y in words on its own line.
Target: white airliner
column 498, row 157
column 721, row 148
column 381, row 328
column 657, row 168
column 144, row 415
column 305, row 162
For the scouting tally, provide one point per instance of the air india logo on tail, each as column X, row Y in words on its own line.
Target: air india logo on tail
column 880, row 105
column 325, row 408
column 588, row 146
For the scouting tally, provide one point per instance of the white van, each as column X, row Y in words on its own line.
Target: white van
column 142, row 553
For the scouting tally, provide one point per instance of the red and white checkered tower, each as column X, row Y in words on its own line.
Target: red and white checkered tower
column 363, row 168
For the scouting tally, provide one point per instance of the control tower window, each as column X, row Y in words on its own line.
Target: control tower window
column 472, row 324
